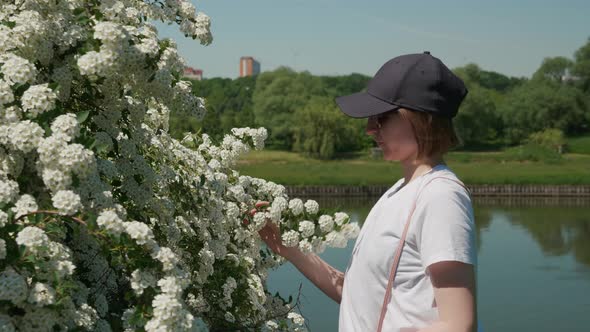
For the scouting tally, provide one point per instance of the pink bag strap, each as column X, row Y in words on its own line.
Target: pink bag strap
column 400, row 246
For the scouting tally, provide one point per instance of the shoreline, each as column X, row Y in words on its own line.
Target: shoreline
column 477, row 190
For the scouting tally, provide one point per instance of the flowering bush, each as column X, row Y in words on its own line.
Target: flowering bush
column 107, row 222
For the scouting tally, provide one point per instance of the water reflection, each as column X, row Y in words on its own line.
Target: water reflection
column 560, row 225
column 533, row 272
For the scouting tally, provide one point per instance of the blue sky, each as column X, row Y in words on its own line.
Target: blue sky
column 337, row 37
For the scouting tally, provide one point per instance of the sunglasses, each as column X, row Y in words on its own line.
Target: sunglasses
column 381, row 118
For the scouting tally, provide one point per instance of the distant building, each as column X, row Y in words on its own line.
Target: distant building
column 249, row 66
column 567, row 76
column 192, row 73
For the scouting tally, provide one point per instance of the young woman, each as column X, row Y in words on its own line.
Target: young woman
column 409, row 104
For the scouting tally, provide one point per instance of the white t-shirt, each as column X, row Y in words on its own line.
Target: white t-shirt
column 442, row 229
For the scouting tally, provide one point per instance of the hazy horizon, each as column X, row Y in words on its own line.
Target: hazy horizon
column 328, row 37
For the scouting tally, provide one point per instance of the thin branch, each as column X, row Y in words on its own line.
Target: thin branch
column 78, row 220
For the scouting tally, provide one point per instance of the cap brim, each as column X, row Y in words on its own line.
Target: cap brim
column 363, row 105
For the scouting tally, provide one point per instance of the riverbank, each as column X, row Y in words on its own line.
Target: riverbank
column 481, row 190
column 474, row 168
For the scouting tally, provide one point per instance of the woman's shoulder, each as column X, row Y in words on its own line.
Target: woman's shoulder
column 444, row 183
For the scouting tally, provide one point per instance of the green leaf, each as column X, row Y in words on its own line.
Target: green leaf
column 9, row 24
column 83, row 20
column 82, row 116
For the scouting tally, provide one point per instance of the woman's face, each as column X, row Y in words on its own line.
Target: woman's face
column 394, row 135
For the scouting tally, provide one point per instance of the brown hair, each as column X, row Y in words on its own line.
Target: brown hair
column 434, row 134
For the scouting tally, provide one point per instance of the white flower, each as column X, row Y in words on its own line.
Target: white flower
column 139, row 231
column 170, row 285
column 66, row 124
column 350, row 231
column 109, row 32
column 6, row 40
column 67, row 202
column 56, row 179
column 77, row 159
column 229, row 317
column 3, row 218
column 167, row 258
column 33, row 238
column 305, row 246
column 169, row 314
column 290, row 238
column 271, row 325
column 6, row 95
column 311, row 206
column 109, row 220
column 26, row 136
column 38, row 99
column 260, row 219
column 18, row 70
column 336, row 239
column 326, row 223
column 86, row 317
column 307, row 228
column 340, row 218
column 25, row 204
column 141, row 280
column 228, row 287
column 296, row 206
column 41, row 295
column 318, row 245
column 8, row 191
column 49, row 150
column 11, row 114
column 93, row 64
column 296, row 318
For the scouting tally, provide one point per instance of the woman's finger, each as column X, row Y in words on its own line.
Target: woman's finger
column 260, row 204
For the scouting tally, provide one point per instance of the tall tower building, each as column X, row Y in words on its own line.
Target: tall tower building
column 249, row 66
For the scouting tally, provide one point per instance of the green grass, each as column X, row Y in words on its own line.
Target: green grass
column 472, row 167
column 579, row 144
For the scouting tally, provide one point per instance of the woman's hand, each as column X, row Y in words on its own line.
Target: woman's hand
column 271, row 235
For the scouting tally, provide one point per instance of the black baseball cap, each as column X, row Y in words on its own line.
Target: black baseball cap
column 419, row 82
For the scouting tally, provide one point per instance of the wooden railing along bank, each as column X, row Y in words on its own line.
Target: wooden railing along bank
column 540, row 190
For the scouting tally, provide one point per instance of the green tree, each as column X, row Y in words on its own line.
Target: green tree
column 550, row 138
column 228, row 103
column 538, row 105
column 477, row 122
column 473, row 74
column 553, row 69
column 278, row 94
column 321, row 129
column 344, row 85
column 581, row 66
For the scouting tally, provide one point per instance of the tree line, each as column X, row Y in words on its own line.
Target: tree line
column 299, row 111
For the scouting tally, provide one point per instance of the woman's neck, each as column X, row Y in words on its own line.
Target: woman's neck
column 415, row 168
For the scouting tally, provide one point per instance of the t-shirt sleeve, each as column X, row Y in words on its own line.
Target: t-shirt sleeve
column 447, row 224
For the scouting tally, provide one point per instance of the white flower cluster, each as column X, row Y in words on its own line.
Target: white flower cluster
column 38, row 99
column 313, row 234
column 67, row 202
column 86, row 89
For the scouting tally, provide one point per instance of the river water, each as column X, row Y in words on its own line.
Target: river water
column 533, row 265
